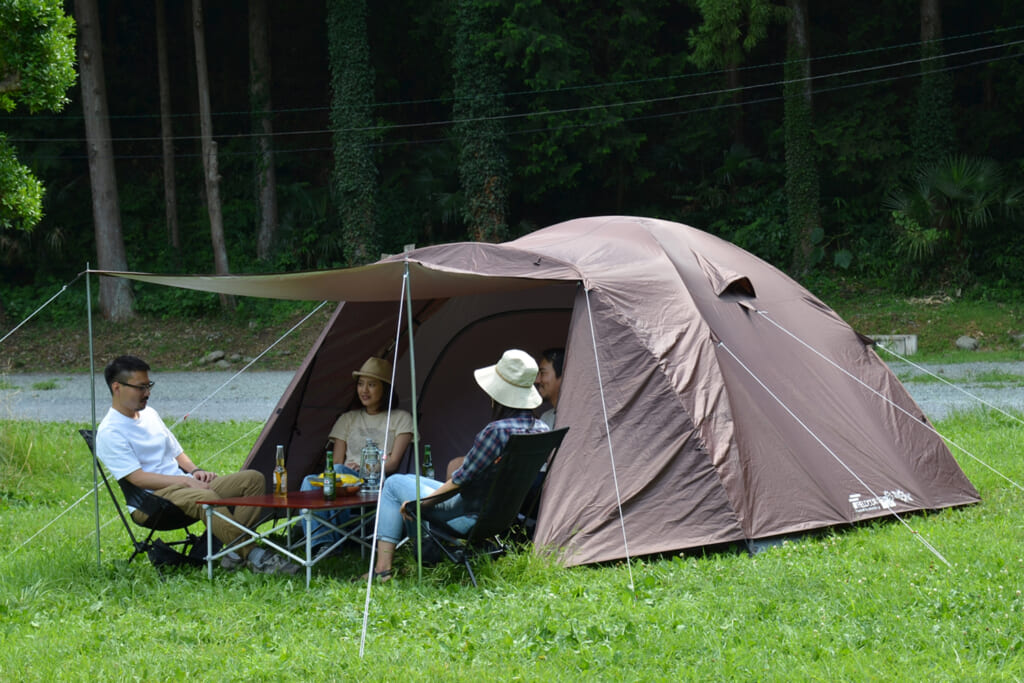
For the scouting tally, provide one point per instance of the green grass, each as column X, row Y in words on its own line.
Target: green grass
column 45, row 385
column 867, row 603
column 938, row 322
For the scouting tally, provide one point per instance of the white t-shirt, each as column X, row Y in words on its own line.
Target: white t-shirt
column 125, row 444
column 356, row 426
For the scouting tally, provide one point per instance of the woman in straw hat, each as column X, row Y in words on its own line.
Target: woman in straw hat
column 371, row 420
column 509, row 383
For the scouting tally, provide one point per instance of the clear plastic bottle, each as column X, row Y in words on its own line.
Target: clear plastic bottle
column 369, row 465
column 280, row 473
column 329, row 476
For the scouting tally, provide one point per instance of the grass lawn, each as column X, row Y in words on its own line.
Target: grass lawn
column 867, row 603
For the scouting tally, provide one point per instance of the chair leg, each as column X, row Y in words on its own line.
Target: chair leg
column 142, row 546
column 469, row 569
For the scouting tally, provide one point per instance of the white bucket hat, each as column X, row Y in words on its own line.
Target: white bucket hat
column 510, row 381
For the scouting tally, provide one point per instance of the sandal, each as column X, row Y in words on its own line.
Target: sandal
column 381, row 577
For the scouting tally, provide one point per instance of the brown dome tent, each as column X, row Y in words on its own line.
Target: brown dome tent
column 710, row 398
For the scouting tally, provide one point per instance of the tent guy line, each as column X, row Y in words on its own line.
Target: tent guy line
column 247, row 365
column 608, row 433
column 95, row 488
column 950, row 384
column 835, row 456
column 927, row 425
column 47, row 303
column 416, row 461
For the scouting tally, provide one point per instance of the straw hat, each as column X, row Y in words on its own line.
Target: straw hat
column 378, row 368
column 510, row 381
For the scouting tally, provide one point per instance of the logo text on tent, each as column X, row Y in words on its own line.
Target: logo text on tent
column 886, row 501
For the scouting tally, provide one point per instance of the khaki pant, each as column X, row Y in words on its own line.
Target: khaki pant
column 245, row 483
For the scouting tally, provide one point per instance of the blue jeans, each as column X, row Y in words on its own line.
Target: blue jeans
column 399, row 488
column 318, row 532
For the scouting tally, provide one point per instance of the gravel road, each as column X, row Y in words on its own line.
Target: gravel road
column 253, row 395
column 200, row 395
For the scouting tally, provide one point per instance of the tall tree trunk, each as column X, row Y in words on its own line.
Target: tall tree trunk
column 166, row 129
column 115, row 293
column 355, row 174
column 211, row 172
column 479, row 105
column 802, row 187
column 260, row 99
column 933, row 134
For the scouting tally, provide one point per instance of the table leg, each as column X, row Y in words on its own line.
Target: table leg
column 307, row 518
column 209, row 541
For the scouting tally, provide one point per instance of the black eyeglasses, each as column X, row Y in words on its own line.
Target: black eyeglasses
column 141, row 387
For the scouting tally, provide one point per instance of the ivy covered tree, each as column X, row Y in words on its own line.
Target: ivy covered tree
column 802, row 184
column 37, row 58
column 355, row 174
column 479, row 127
column 932, row 134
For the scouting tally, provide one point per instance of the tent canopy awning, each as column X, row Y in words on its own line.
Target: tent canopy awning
column 466, row 267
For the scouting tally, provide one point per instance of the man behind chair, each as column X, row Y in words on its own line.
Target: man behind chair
column 134, row 443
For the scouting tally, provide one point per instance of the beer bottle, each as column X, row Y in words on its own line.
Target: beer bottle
column 280, row 474
column 428, row 463
column 329, row 476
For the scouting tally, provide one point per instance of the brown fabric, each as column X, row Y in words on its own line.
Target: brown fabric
column 726, row 418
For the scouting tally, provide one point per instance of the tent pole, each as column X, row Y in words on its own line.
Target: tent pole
column 406, row 291
column 92, row 396
column 415, row 422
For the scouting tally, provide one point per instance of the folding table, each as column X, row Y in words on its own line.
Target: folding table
column 306, row 503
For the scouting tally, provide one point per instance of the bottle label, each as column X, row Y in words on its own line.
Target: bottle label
column 329, row 479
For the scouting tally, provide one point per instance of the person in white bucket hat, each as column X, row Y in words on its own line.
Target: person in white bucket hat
column 509, row 383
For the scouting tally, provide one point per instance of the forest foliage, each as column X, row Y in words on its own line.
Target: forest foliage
column 456, row 119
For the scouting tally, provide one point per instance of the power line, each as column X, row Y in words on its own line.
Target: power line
column 571, row 89
column 569, row 110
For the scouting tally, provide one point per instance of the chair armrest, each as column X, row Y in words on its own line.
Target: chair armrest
column 428, row 502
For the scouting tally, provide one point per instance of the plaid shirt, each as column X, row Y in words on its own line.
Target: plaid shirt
column 491, row 441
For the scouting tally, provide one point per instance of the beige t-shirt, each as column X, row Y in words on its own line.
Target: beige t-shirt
column 356, row 426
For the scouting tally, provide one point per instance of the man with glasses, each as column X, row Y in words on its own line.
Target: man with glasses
column 133, row 442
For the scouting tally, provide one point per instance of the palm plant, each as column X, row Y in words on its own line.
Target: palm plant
column 946, row 202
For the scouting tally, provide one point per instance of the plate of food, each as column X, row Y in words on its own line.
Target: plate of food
column 343, row 483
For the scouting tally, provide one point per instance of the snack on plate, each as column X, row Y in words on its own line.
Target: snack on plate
column 345, row 481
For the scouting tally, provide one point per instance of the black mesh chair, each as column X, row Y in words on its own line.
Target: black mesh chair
column 494, row 499
column 162, row 515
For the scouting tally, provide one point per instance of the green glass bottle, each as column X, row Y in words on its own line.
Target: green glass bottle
column 329, row 476
column 428, row 463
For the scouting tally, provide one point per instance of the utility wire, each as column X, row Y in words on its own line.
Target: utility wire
column 533, row 131
column 561, row 89
column 586, row 108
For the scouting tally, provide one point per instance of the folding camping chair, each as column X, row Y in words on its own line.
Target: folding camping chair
column 162, row 515
column 494, row 499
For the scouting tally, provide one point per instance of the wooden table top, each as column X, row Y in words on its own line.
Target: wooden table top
column 312, row 500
